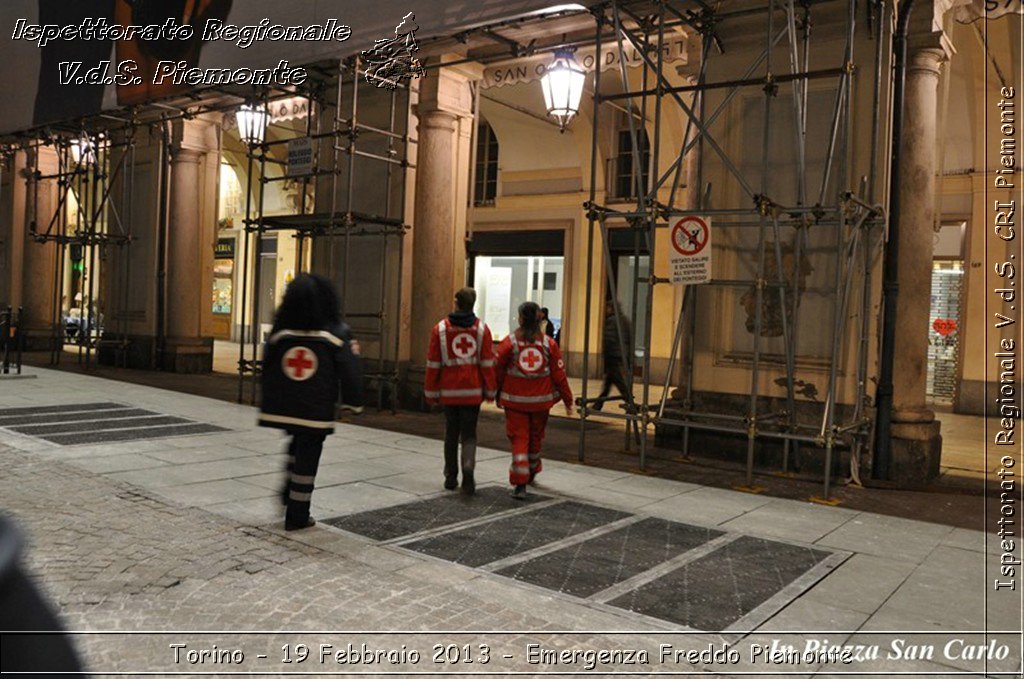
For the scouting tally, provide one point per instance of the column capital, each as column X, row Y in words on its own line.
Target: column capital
column 196, row 135
column 926, row 28
column 447, row 88
column 437, row 119
column 182, row 154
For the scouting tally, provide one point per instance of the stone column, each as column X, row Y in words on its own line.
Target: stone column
column 39, row 258
column 916, row 444
column 433, row 228
column 445, row 107
column 186, row 350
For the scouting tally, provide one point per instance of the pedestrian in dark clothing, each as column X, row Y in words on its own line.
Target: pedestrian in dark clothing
column 310, row 364
column 546, row 326
column 460, row 376
column 616, row 356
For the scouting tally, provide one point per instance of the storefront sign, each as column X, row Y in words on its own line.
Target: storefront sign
column 532, row 68
column 689, row 257
column 225, row 249
column 300, row 157
column 280, row 111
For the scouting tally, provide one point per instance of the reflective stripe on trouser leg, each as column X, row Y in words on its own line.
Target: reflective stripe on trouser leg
column 517, row 428
column 469, row 454
column 307, row 448
column 467, row 434
column 538, row 425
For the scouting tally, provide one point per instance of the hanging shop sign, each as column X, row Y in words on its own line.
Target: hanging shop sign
column 944, row 326
column 225, row 249
column 533, row 68
column 689, row 258
column 300, row 157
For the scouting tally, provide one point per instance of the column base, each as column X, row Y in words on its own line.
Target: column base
column 38, row 339
column 411, row 389
column 189, row 355
column 916, row 451
column 137, row 351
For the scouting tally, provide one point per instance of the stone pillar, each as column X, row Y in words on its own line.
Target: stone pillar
column 39, row 259
column 186, row 349
column 433, row 228
column 438, row 233
column 916, row 441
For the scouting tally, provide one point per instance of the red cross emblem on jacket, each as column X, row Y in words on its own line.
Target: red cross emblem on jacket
column 531, row 374
column 460, row 364
column 464, row 346
column 299, row 364
column 531, row 359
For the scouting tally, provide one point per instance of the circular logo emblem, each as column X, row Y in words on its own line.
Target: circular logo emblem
column 299, row 364
column 464, row 345
column 690, row 235
column 530, row 360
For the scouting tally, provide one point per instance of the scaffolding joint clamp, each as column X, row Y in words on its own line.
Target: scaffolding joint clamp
column 771, row 88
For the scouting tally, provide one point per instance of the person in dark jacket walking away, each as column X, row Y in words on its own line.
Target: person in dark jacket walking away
column 531, row 379
column 310, row 363
column 460, row 376
column 616, row 357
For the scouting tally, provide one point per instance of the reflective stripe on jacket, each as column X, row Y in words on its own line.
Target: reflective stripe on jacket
column 531, row 375
column 460, row 364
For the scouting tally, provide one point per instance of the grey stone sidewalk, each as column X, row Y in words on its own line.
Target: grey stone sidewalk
column 184, row 533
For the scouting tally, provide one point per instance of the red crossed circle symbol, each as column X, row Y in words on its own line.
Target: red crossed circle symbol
column 689, row 235
column 464, row 345
column 530, row 359
column 299, row 364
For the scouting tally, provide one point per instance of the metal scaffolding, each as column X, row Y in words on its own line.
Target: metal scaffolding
column 830, row 218
column 94, row 176
column 346, row 146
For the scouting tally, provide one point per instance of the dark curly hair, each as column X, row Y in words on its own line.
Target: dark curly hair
column 310, row 302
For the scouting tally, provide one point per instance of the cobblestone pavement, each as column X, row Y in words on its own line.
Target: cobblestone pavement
column 182, row 536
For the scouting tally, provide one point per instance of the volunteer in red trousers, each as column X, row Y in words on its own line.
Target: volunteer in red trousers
column 460, row 376
column 531, row 379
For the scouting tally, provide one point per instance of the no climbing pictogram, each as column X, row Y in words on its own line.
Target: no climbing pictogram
column 689, row 258
column 690, row 235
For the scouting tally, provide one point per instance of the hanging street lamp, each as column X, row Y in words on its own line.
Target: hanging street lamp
column 562, row 84
column 252, row 122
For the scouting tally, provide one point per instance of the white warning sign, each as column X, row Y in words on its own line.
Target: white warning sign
column 300, row 157
column 690, row 254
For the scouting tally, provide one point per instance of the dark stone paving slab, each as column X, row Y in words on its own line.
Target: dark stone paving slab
column 57, row 418
column 716, row 590
column 68, row 408
column 596, row 564
column 132, row 434
column 413, row 517
column 503, row 537
column 98, row 425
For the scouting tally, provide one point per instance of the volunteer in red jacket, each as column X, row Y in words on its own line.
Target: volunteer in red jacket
column 460, row 376
column 531, row 379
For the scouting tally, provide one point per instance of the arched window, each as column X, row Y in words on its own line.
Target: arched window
column 486, row 188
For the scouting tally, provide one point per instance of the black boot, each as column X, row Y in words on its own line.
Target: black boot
column 520, row 492
column 451, row 482
column 468, row 484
